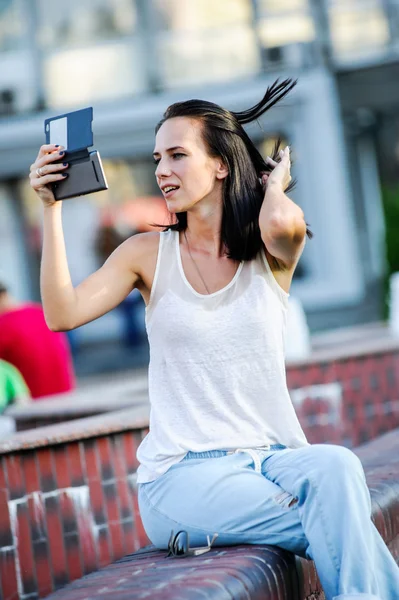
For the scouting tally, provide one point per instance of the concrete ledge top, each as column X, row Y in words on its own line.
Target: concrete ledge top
column 85, row 401
column 227, row 572
column 380, row 452
column 78, row 429
column 338, row 346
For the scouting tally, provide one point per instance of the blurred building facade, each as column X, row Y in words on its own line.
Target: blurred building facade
column 130, row 59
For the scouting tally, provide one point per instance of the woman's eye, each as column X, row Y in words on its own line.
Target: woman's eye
column 175, row 155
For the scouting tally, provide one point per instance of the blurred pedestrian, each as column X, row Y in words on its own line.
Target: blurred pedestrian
column 108, row 238
column 13, row 389
column 42, row 356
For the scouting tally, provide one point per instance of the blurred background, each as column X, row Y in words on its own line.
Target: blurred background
column 130, row 59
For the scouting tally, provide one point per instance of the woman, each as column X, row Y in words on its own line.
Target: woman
column 225, row 453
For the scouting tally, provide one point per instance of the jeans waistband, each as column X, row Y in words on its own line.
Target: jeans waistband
column 220, row 453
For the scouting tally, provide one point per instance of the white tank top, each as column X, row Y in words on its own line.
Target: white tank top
column 217, row 372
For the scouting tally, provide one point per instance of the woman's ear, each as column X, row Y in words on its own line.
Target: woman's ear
column 222, row 170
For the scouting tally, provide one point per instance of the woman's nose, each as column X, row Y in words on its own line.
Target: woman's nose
column 162, row 171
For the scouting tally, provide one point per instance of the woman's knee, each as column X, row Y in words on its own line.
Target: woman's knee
column 334, row 460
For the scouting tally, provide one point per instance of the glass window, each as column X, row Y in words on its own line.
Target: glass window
column 18, row 69
column 204, row 41
column 13, row 263
column 76, row 23
column 90, row 51
column 180, row 15
column 283, row 22
column 278, row 6
column 359, row 28
column 12, row 25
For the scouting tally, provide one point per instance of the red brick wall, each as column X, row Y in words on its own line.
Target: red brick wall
column 67, row 510
column 68, row 502
column 347, row 401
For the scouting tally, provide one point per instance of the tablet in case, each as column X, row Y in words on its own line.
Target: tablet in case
column 85, row 171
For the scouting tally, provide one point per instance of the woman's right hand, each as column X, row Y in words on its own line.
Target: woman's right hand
column 43, row 172
column 281, row 173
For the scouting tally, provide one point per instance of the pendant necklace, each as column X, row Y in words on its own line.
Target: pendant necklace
column 195, row 264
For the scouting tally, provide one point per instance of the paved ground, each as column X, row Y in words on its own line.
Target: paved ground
column 112, row 360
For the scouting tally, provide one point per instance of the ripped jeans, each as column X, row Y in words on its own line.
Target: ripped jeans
column 313, row 501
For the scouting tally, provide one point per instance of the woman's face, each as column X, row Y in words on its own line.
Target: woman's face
column 184, row 166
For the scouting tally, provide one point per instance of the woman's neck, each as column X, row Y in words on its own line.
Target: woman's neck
column 204, row 224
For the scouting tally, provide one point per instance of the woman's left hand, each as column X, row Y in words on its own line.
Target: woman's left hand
column 281, row 174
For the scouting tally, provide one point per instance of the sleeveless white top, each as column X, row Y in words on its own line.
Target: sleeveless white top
column 217, row 372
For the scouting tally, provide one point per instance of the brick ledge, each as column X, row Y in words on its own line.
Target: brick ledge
column 78, row 429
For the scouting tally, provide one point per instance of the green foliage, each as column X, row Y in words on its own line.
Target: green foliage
column 390, row 197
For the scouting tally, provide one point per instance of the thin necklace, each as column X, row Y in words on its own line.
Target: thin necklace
column 195, row 264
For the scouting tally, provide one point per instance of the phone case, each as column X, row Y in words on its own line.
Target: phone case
column 85, row 171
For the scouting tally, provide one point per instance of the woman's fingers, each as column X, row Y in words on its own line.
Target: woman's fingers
column 47, row 169
column 44, row 158
column 47, row 159
column 39, row 182
column 47, row 148
column 282, row 154
column 271, row 162
column 281, row 170
column 264, row 178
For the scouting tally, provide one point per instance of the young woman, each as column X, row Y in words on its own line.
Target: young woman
column 225, row 453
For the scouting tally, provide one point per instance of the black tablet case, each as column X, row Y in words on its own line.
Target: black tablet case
column 85, row 171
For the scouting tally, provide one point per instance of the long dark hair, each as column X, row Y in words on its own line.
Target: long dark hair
column 243, row 193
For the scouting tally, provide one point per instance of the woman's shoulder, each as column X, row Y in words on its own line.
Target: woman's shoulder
column 142, row 250
column 142, row 243
column 149, row 242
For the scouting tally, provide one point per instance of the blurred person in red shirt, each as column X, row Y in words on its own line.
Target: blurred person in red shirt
column 42, row 356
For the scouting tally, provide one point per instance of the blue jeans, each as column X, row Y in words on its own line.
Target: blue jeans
column 313, row 501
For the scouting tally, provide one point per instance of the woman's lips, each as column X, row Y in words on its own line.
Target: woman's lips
column 170, row 194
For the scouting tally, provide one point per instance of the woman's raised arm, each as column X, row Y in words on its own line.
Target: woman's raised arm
column 66, row 307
